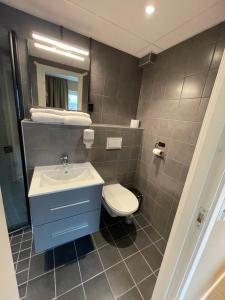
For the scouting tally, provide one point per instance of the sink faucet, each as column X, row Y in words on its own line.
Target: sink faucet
column 64, row 159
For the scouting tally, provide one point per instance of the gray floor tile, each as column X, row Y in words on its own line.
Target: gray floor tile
column 109, row 255
column 64, row 254
column 84, row 245
column 141, row 239
column 147, row 286
column 67, row 277
column 23, row 265
column 27, row 236
column 15, row 256
column 138, row 267
column 142, row 221
column 24, row 254
column 131, row 227
column 21, row 277
column 75, row 294
column 90, row 265
column 153, row 257
column 119, row 279
column 22, row 290
column 26, row 245
column 15, row 248
column 98, row 288
column 42, row 288
column 118, row 231
column 41, row 263
column 102, row 237
column 161, row 245
column 133, row 294
column 153, row 235
column 126, row 247
column 16, row 239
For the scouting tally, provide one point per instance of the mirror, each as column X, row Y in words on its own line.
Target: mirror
column 58, row 78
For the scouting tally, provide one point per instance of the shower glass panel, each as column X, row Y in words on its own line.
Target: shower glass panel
column 11, row 172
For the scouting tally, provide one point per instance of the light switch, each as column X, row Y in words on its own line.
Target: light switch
column 114, row 143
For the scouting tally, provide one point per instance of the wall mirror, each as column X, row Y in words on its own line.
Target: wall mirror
column 59, row 73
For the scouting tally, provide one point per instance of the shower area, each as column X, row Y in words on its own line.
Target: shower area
column 11, row 168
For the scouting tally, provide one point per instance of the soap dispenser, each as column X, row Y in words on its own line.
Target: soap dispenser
column 88, row 138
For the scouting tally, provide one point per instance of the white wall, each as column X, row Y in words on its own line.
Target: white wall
column 8, row 285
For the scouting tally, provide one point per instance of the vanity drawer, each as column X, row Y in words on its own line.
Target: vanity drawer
column 51, row 207
column 60, row 232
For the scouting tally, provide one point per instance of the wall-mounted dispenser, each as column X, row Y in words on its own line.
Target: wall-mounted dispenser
column 88, row 137
column 157, row 151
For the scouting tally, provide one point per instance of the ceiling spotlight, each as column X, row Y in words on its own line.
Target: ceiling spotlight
column 149, row 9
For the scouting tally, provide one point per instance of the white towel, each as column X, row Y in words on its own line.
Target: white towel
column 56, row 119
column 47, row 118
column 78, row 120
column 59, row 112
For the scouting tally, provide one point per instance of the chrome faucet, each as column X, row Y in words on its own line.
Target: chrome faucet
column 64, row 159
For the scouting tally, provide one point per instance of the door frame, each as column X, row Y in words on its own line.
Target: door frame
column 182, row 255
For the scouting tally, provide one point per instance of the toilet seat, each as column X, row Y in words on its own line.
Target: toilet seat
column 119, row 199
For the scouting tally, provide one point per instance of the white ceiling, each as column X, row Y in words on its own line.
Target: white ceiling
column 124, row 25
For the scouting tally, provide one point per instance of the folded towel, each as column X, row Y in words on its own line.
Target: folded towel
column 78, row 120
column 59, row 112
column 56, row 119
column 46, row 118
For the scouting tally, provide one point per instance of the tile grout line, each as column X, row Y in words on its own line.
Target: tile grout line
column 19, row 252
column 135, row 285
column 28, row 274
column 104, row 269
column 142, row 250
column 81, row 278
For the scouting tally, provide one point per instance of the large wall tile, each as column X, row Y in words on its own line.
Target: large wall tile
column 174, row 97
column 44, row 144
column 116, row 78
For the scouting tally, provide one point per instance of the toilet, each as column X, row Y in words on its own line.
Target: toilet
column 119, row 201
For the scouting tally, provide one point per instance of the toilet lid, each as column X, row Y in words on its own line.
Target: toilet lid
column 120, row 199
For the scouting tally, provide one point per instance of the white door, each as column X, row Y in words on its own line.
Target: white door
column 199, row 200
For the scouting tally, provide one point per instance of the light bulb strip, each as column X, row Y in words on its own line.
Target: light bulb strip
column 59, row 44
column 58, row 51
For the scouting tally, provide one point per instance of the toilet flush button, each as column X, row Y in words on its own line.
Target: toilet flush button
column 114, row 143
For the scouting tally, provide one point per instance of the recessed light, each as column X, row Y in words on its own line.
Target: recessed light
column 149, row 9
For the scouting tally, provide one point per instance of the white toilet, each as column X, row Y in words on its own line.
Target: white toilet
column 119, row 201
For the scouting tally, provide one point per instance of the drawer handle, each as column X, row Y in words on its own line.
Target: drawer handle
column 68, row 230
column 69, row 205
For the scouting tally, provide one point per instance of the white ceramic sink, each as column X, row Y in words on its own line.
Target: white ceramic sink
column 56, row 178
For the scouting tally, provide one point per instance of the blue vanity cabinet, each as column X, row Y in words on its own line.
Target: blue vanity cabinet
column 60, row 217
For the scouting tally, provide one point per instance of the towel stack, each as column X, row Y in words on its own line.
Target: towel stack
column 55, row 116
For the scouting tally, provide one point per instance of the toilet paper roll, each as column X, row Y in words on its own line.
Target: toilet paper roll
column 134, row 123
column 157, row 152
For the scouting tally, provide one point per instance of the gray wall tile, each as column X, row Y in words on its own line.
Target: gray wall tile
column 45, row 144
column 174, row 96
column 115, row 85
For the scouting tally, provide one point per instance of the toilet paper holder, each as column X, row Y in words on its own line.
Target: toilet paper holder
column 160, row 144
column 157, row 151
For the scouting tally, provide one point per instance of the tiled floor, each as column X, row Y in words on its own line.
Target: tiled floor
column 119, row 262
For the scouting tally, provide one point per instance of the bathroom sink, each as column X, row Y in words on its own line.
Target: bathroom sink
column 56, row 178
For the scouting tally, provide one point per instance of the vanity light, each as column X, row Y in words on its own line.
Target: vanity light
column 149, row 9
column 57, row 51
column 58, row 44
